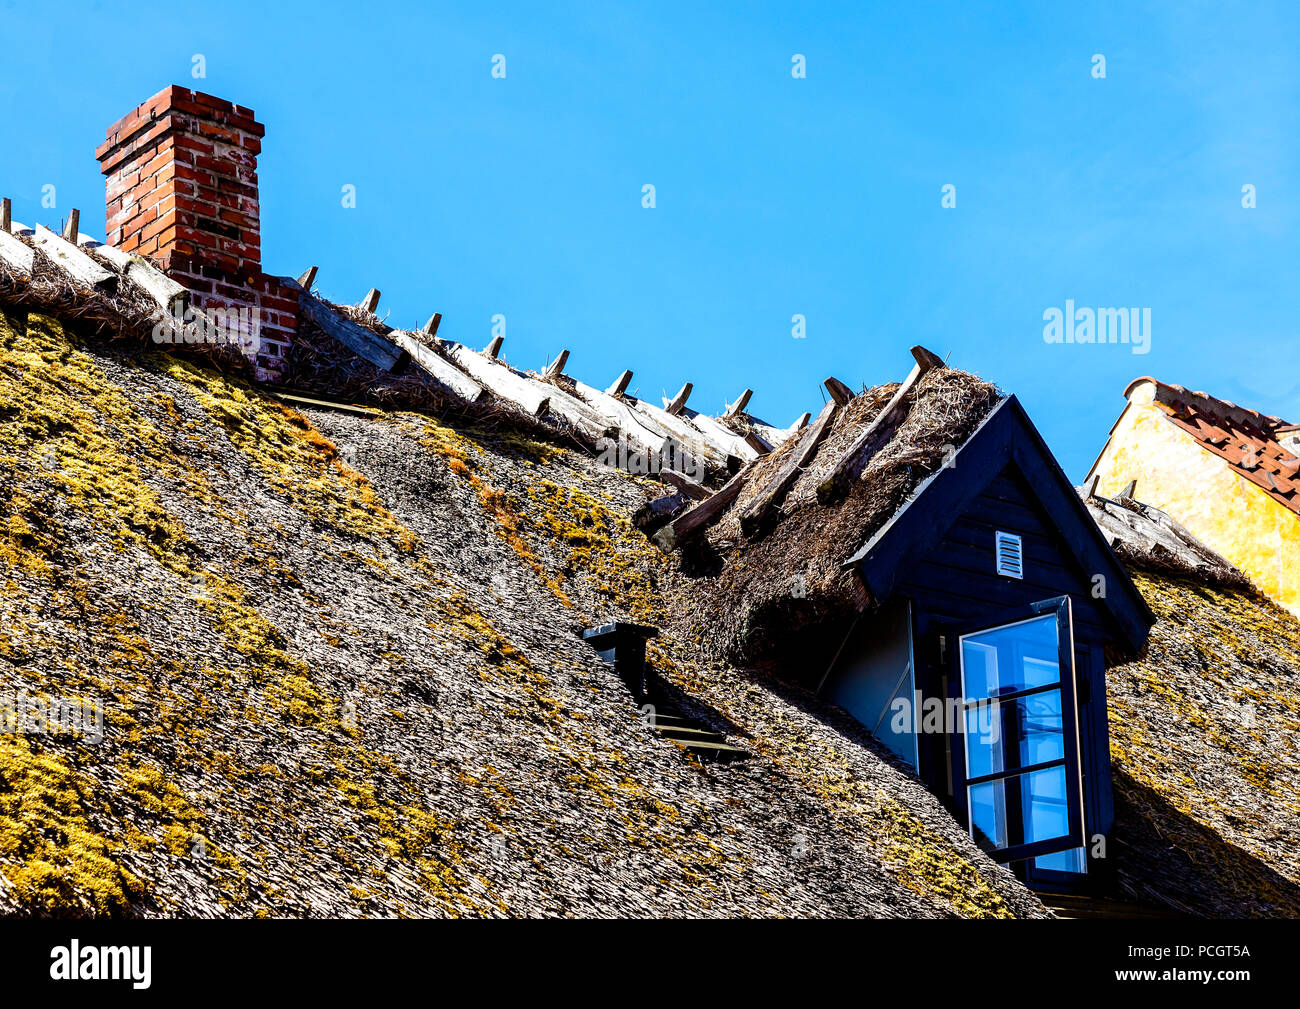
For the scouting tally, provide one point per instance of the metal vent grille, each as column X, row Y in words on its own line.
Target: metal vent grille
column 1010, row 555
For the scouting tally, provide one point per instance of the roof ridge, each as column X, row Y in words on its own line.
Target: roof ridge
column 1267, row 422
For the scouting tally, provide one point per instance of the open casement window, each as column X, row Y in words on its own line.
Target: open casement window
column 1020, row 742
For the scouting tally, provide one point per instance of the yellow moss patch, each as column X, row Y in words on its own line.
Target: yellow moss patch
column 55, row 860
column 1199, row 723
column 21, row 547
column 417, row 837
column 294, row 457
column 602, row 548
column 926, row 863
column 78, row 436
column 460, row 454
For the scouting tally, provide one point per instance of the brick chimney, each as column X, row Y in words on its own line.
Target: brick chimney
column 182, row 190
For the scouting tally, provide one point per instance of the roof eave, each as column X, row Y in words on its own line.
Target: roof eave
column 1006, row 436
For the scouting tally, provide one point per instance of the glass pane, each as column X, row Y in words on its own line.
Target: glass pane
column 985, row 740
column 1007, row 659
column 1006, row 735
column 1040, row 727
column 1020, row 809
column 1070, row 860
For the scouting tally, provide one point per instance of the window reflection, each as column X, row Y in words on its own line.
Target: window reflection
column 1008, row 735
column 1008, row 659
column 1015, row 740
column 1070, row 860
column 1020, row 809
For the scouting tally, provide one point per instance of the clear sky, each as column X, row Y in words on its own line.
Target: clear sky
column 775, row 196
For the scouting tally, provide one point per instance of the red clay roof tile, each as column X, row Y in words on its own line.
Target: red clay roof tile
column 1246, row 439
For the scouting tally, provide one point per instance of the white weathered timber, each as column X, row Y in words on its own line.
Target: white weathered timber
column 575, row 411
column 17, row 255
column 165, row 292
column 368, row 411
column 431, row 327
column 722, row 435
column 370, row 302
column 556, row 367
column 620, row 384
column 444, row 371
column 308, row 278
column 378, row 350
column 686, row 434
column 640, row 433
column 72, row 260
column 777, row 436
column 500, row 380
column 116, row 258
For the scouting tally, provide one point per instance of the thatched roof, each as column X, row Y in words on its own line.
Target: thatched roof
column 1204, row 734
column 1204, row 730
column 405, row 369
column 339, row 669
column 764, row 590
column 1150, row 539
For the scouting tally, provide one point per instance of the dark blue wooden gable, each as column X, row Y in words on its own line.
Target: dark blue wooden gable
column 1003, row 476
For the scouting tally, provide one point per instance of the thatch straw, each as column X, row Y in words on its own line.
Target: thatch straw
column 124, row 314
column 317, row 364
column 767, row 591
column 1148, row 539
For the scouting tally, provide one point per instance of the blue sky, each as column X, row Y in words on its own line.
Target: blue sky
column 775, row 196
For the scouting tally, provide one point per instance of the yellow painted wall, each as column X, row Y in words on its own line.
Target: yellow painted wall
column 1224, row 510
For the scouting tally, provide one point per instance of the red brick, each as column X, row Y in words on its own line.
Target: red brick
column 189, row 142
column 213, row 102
column 162, row 230
column 181, row 187
column 181, row 172
column 218, row 132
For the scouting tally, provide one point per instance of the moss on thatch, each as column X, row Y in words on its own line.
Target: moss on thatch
column 336, row 681
column 1204, row 730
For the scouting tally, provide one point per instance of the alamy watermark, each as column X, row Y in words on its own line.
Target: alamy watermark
column 621, row 454
column 947, row 715
column 239, row 327
column 1131, row 326
column 32, row 715
column 75, row 962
